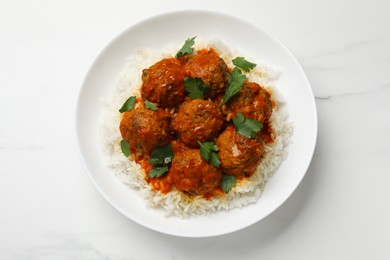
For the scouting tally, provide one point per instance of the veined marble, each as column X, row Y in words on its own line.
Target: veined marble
column 49, row 209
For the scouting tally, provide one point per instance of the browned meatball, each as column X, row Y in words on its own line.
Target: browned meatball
column 211, row 69
column 145, row 129
column 197, row 120
column 191, row 173
column 238, row 154
column 252, row 101
column 163, row 83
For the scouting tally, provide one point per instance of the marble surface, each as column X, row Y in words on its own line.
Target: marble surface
column 49, row 208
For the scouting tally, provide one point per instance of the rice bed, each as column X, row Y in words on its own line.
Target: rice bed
column 177, row 203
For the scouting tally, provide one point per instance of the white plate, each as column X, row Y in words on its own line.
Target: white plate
column 168, row 29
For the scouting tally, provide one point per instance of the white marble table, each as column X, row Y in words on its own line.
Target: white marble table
column 49, row 208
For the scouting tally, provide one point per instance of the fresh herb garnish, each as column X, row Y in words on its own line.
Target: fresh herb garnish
column 228, row 182
column 208, row 151
column 150, row 105
column 125, row 147
column 236, row 79
column 187, row 48
column 160, row 157
column 243, row 64
column 158, row 171
column 195, row 87
column 246, row 126
column 128, row 105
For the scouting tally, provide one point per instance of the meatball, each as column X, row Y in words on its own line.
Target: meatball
column 211, row 69
column 145, row 129
column 238, row 154
column 163, row 83
column 197, row 120
column 252, row 101
column 192, row 174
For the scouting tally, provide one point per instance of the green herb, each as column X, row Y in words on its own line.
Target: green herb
column 228, row 182
column 246, row 126
column 187, row 48
column 236, row 80
column 242, row 63
column 128, row 105
column 214, row 160
column 208, row 152
column 158, row 171
column 125, row 147
column 195, row 87
column 160, row 157
column 150, row 105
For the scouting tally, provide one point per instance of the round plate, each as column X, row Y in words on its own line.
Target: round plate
column 160, row 31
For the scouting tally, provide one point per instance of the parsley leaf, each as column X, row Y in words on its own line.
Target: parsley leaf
column 228, row 182
column 160, row 157
column 195, row 87
column 236, row 79
column 128, row 105
column 246, row 126
column 150, row 105
column 242, row 63
column 125, row 147
column 214, row 159
column 239, row 119
column 158, row 171
column 208, row 152
column 187, row 48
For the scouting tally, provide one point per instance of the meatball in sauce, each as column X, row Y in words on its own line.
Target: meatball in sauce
column 145, row 129
column 252, row 101
column 239, row 155
column 163, row 84
column 192, row 174
column 209, row 67
column 197, row 120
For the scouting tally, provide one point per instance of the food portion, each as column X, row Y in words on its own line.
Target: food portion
column 144, row 129
column 211, row 69
column 193, row 174
column 163, row 83
column 239, row 155
column 198, row 130
column 221, row 106
column 196, row 121
column 252, row 101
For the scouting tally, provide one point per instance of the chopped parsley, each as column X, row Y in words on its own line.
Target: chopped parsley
column 246, row 126
column 187, row 48
column 236, row 79
column 125, row 147
column 208, row 151
column 128, row 105
column 150, row 105
column 160, row 158
column 158, row 171
column 195, row 87
column 162, row 155
column 228, row 182
column 243, row 64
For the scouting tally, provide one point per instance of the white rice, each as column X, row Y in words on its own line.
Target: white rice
column 176, row 202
